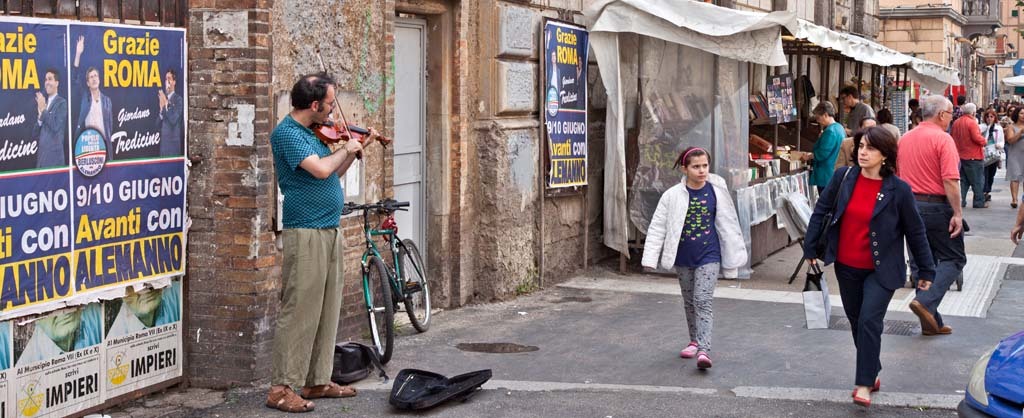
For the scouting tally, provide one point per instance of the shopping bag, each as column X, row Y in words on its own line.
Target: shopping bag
column 817, row 307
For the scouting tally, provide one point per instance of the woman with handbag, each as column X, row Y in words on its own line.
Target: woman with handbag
column 859, row 223
column 994, row 144
column 695, row 231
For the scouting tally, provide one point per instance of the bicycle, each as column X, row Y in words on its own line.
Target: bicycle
column 406, row 283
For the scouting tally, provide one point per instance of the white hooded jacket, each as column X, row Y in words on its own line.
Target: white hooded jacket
column 667, row 227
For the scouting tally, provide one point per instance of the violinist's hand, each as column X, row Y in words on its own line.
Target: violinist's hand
column 353, row 147
column 374, row 135
column 162, row 99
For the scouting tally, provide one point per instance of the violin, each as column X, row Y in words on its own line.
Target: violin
column 330, row 133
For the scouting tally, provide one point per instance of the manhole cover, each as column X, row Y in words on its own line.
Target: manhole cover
column 497, row 348
column 890, row 327
column 581, row 299
column 1014, row 272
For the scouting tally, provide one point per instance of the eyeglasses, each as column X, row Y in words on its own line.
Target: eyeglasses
column 946, row 111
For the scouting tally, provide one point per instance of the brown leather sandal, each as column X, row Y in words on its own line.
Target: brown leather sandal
column 286, row 400
column 330, row 390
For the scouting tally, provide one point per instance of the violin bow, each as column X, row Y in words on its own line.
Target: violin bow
column 337, row 107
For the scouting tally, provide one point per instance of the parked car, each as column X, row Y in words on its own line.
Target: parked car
column 996, row 386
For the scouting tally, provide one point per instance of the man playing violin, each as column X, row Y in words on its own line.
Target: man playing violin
column 307, row 323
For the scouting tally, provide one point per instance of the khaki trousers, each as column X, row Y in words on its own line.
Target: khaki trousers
column 307, row 323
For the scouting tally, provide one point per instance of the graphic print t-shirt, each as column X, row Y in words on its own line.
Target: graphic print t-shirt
column 698, row 245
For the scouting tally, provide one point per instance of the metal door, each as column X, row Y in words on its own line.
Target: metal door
column 410, row 124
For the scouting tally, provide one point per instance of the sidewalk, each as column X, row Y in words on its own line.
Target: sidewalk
column 607, row 345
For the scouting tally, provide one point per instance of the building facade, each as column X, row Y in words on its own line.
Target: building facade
column 962, row 34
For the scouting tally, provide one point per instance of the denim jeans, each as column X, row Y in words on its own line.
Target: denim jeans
column 948, row 253
column 972, row 174
column 865, row 301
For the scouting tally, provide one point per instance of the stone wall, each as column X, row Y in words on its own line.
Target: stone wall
column 508, row 136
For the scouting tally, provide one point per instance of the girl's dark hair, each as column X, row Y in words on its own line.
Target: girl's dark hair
column 686, row 156
column 1015, row 114
column 884, row 141
column 884, row 116
column 310, row 88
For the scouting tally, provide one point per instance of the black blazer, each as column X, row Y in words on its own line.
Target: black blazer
column 895, row 217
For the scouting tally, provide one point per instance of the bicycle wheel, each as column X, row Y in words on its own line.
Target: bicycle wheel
column 382, row 311
column 414, row 279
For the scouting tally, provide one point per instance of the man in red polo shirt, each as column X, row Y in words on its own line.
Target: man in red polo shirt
column 971, row 147
column 928, row 161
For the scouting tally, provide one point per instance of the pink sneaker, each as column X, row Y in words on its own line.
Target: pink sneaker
column 703, row 361
column 689, row 351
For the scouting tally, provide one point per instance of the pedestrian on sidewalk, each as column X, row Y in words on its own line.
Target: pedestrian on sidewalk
column 993, row 134
column 849, row 97
column 874, row 212
column 847, row 156
column 970, row 145
column 827, row 147
column 307, row 324
column 1015, row 154
column 695, row 231
column 928, row 161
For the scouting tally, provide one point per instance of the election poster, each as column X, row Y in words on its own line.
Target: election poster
column 35, row 199
column 92, row 160
column 57, row 363
column 128, row 147
column 565, row 102
column 142, row 339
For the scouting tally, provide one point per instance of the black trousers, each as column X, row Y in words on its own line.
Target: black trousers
column 865, row 302
column 990, row 176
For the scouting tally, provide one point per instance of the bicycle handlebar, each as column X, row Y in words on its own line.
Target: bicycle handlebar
column 387, row 205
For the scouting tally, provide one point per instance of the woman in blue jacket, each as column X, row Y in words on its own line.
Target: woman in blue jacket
column 874, row 211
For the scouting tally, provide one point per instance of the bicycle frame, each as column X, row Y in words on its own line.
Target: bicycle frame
column 394, row 270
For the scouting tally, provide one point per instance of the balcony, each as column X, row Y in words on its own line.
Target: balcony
column 982, row 17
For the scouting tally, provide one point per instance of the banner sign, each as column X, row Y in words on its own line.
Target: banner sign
column 565, row 102
column 92, row 160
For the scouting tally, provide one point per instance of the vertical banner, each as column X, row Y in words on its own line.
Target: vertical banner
column 564, row 57
column 35, row 204
column 128, row 112
column 142, row 339
column 899, row 108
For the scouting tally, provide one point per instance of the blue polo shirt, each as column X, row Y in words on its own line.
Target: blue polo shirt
column 309, row 202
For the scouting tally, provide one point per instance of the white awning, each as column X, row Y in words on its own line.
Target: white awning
column 1015, row 81
column 746, row 36
column 933, row 76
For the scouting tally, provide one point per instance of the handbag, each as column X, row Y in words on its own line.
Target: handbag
column 992, row 155
column 817, row 306
column 822, row 244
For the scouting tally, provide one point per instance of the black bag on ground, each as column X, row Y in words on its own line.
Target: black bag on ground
column 419, row 389
column 354, row 361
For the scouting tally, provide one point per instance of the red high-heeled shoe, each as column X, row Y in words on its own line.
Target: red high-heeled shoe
column 865, row 402
column 878, row 385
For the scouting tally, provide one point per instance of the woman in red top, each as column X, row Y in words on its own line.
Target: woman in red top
column 874, row 211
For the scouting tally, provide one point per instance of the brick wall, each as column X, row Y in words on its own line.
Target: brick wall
column 233, row 263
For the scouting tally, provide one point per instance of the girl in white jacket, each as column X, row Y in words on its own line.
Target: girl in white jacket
column 695, row 231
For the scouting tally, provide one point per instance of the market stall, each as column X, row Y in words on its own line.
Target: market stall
column 682, row 73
